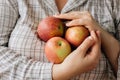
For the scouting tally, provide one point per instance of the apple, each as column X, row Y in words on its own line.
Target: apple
column 50, row 27
column 57, row 49
column 75, row 35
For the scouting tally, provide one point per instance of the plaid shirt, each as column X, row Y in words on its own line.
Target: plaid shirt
column 22, row 52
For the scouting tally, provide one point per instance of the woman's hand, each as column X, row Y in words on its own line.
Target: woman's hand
column 109, row 44
column 82, row 59
column 80, row 18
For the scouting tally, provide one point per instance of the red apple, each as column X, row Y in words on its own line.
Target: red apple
column 50, row 27
column 56, row 49
column 75, row 35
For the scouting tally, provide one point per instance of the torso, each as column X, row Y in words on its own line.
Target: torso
column 24, row 39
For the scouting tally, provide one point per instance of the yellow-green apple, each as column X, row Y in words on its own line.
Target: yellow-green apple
column 75, row 35
column 50, row 27
column 57, row 49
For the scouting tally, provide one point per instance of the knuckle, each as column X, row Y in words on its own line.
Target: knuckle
column 81, row 48
column 87, row 18
column 80, row 21
column 75, row 14
column 87, row 15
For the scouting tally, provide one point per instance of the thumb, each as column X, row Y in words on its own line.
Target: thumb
column 86, row 45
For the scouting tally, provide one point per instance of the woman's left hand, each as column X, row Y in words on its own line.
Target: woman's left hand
column 80, row 18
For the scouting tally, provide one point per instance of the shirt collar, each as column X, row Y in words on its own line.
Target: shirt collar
column 71, row 4
column 68, row 7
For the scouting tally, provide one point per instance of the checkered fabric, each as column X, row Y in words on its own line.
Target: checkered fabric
column 22, row 52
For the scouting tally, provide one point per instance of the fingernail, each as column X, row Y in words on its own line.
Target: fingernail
column 68, row 23
column 92, row 31
column 98, row 32
column 90, row 37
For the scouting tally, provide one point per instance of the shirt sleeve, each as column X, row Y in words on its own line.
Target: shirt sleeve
column 14, row 66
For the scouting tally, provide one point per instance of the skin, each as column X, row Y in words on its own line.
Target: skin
column 60, row 4
column 83, row 59
column 86, row 19
column 87, row 55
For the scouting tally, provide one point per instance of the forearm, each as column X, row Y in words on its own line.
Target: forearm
column 111, row 47
column 59, row 73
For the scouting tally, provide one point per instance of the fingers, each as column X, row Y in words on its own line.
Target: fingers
column 96, row 49
column 92, row 42
column 99, row 36
column 75, row 22
column 73, row 15
column 70, row 15
column 85, row 46
column 76, row 18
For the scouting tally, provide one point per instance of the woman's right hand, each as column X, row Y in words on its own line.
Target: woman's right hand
column 83, row 59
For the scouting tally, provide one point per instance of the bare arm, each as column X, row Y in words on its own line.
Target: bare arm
column 111, row 47
column 109, row 44
column 80, row 60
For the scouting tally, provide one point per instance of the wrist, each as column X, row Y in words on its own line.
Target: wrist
column 59, row 72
